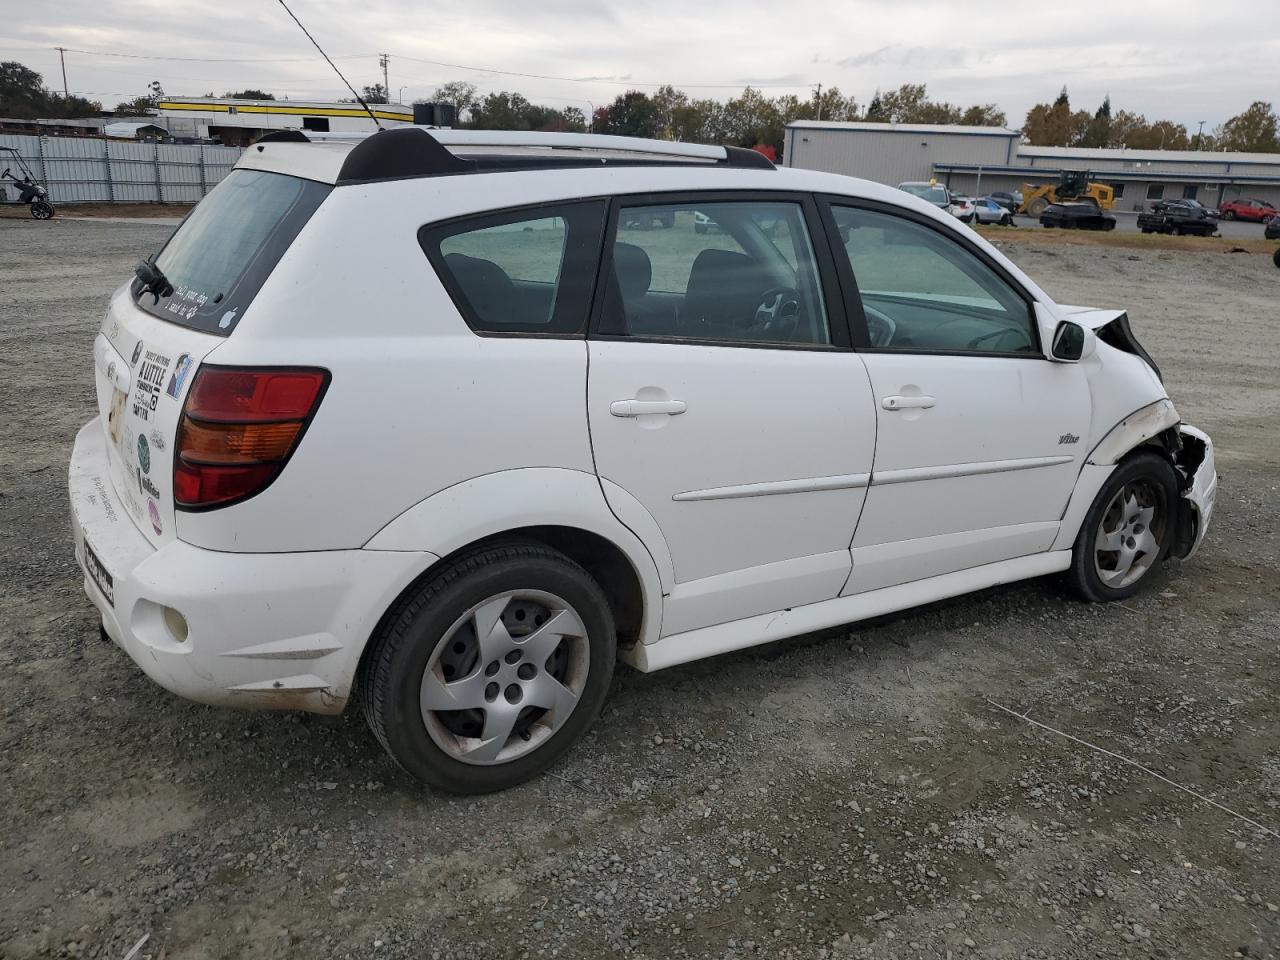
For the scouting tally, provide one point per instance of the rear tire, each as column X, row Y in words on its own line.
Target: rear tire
column 41, row 209
column 1037, row 206
column 1127, row 531
column 487, row 673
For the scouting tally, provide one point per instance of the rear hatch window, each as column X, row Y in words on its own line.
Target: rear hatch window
column 227, row 246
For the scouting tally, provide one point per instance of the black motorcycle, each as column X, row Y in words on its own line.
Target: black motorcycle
column 29, row 192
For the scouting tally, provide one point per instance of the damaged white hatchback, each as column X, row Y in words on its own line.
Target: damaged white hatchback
column 453, row 420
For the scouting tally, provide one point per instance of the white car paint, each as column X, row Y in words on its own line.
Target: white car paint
column 784, row 495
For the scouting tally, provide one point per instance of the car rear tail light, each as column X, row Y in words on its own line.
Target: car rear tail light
column 239, row 427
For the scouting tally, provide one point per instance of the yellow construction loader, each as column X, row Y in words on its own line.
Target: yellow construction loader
column 1072, row 186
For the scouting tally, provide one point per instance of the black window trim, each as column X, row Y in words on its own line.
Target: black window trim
column 833, row 301
column 853, row 297
column 431, row 235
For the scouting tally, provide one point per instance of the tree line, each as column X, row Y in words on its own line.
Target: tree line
column 1056, row 124
column 750, row 119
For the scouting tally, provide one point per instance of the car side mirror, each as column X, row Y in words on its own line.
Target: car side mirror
column 1072, row 342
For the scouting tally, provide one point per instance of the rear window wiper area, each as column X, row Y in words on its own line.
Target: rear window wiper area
column 153, row 281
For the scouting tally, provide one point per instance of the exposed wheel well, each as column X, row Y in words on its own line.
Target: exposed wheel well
column 595, row 554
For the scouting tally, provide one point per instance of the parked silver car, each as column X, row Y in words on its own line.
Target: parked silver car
column 989, row 210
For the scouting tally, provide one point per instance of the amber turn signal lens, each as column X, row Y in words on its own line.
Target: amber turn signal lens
column 230, row 443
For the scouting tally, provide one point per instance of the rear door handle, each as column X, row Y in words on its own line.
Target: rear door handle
column 907, row 403
column 640, row 408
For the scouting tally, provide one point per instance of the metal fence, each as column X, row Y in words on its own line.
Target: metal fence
column 86, row 169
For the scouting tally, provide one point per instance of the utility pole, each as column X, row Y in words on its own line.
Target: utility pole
column 386, row 82
column 63, row 58
column 818, row 97
column 1200, row 135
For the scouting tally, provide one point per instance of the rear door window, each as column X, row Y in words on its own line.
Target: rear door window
column 518, row 272
column 228, row 245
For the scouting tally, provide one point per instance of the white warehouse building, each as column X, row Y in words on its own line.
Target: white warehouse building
column 978, row 160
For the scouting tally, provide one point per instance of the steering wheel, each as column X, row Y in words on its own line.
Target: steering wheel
column 778, row 312
column 880, row 326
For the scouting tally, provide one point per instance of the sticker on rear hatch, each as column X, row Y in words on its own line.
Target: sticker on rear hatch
column 150, row 377
column 179, row 375
column 99, row 574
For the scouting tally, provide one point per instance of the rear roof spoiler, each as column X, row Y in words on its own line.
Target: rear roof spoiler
column 408, row 152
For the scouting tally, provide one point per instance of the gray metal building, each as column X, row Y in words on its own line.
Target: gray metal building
column 978, row 160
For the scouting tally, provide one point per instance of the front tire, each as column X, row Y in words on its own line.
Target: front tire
column 41, row 209
column 487, row 673
column 1127, row 531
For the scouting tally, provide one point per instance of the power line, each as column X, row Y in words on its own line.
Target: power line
column 733, row 84
column 624, row 83
column 148, row 56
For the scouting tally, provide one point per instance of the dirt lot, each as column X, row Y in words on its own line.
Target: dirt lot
column 854, row 793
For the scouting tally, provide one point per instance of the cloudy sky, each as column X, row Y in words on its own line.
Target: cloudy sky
column 1185, row 60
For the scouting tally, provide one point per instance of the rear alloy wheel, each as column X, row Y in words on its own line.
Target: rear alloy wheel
column 492, row 669
column 1127, row 531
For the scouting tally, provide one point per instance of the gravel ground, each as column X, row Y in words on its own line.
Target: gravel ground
column 853, row 793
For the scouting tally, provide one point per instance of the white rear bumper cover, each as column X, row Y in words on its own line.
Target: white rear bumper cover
column 282, row 631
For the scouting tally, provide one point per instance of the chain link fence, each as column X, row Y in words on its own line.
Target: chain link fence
column 92, row 170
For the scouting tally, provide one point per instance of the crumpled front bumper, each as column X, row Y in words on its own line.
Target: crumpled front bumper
column 1199, row 489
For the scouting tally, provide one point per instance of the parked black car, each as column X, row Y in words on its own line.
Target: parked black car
column 1178, row 217
column 1076, row 216
column 1272, row 232
column 1010, row 201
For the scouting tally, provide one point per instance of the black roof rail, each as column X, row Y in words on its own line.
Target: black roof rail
column 407, row 152
column 284, row 136
column 746, row 157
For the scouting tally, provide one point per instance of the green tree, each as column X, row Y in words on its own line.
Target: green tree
column 632, row 114
column 250, row 94
column 1055, row 125
column 376, row 93
column 501, row 111
column 1098, row 131
column 984, row 115
column 1257, row 130
column 875, row 110
column 22, row 92
column 460, row 93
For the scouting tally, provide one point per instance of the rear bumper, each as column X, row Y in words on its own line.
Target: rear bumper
column 1201, row 488
column 283, row 630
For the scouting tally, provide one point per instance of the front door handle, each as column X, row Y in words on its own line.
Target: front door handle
column 907, row 403
column 640, row 408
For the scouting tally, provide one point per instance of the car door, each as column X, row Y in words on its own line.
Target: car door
column 979, row 435
column 725, row 402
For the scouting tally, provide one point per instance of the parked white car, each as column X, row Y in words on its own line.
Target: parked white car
column 411, row 413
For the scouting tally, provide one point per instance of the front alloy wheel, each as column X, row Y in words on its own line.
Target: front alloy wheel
column 1130, row 534
column 1128, row 529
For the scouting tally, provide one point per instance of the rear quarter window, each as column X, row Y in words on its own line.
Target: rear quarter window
column 520, row 272
column 228, row 245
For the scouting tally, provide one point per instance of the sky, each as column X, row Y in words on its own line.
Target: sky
column 1183, row 60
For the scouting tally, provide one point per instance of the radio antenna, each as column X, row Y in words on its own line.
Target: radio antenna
column 359, row 99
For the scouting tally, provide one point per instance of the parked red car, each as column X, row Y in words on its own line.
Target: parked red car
column 1244, row 208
